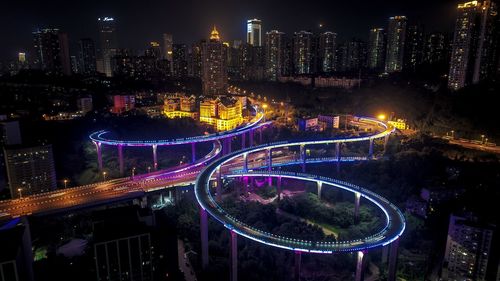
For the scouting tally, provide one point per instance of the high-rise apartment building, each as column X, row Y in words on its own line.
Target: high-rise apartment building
column 254, row 32
column 214, row 63
column 435, row 48
column 107, row 35
column 52, row 51
column 474, row 55
column 396, row 36
column 326, row 52
column 30, row 170
column 194, row 60
column 356, row 55
column 302, row 52
column 376, row 49
column 468, row 249
column 87, row 56
column 274, row 54
column 179, row 60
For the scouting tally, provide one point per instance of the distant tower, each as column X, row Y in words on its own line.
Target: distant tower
column 376, row 49
column 396, row 35
column 214, row 74
column 414, row 47
column 274, row 46
column 52, row 51
column 302, row 54
column 87, row 56
column 107, row 34
column 326, row 52
column 254, row 32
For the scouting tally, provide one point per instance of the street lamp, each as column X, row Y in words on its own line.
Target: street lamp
column 65, row 183
column 133, row 171
column 482, row 139
column 149, row 169
column 452, row 134
column 381, row 117
column 104, row 175
column 20, row 190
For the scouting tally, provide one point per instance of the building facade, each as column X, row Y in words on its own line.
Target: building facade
column 214, row 64
column 87, row 56
column 221, row 113
column 254, row 32
column 274, row 54
column 326, row 52
column 302, row 52
column 376, row 49
column 107, row 36
column 52, row 51
column 396, row 36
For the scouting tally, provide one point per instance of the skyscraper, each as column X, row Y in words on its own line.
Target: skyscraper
column 30, row 170
column 179, row 60
column 214, row 75
column 254, row 32
column 356, row 55
column 302, row 53
column 274, row 54
column 376, row 49
column 87, row 56
column 194, row 60
column 414, row 47
column 52, row 51
column 107, row 35
column 435, row 48
column 326, row 51
column 396, row 35
column 467, row 249
column 486, row 64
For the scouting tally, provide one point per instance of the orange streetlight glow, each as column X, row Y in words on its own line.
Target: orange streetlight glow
column 381, row 116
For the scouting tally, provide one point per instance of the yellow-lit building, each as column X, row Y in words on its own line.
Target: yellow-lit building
column 224, row 114
column 177, row 106
column 399, row 124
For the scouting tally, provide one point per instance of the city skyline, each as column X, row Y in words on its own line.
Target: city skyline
column 148, row 22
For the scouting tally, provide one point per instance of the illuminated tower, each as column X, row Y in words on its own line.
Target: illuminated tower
column 274, row 54
column 107, row 35
column 376, row 49
column 302, row 52
column 52, row 51
column 326, row 52
column 214, row 74
column 396, row 35
column 254, row 32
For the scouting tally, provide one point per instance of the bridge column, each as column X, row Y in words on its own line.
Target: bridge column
column 193, row 152
column 120, row 159
column 218, row 187
column 337, row 155
column 227, row 145
column 357, row 199
column 243, row 140
column 234, row 256
column 99, row 154
column 155, row 157
column 270, row 165
column 303, row 157
column 320, row 187
column 297, row 265
column 370, row 150
column 393, row 260
column 250, row 138
column 245, row 185
column 260, row 135
column 278, row 185
column 204, row 238
column 359, row 266
column 245, row 162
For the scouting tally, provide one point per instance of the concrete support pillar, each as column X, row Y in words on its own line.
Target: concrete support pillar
column 357, row 199
column 120, row 159
column 234, row 256
column 337, row 155
column 99, row 155
column 359, row 266
column 297, row 265
column 393, row 261
column 260, row 135
column 245, row 185
column 193, row 152
column 303, row 157
column 243, row 140
column 250, row 138
column 218, row 187
column 320, row 186
column 270, row 165
column 385, row 254
column 245, row 162
column 204, row 238
column 26, row 252
column 279, row 188
column 155, row 157
column 370, row 150
column 227, row 144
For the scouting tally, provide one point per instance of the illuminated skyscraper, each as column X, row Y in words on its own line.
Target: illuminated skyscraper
column 87, row 56
column 214, row 74
column 179, row 60
column 414, row 47
column 376, row 49
column 487, row 65
column 396, row 35
column 326, row 51
column 274, row 54
column 168, row 43
column 52, row 51
column 302, row 52
column 107, row 34
column 254, row 32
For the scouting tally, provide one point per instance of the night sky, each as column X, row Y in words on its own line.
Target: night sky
column 139, row 22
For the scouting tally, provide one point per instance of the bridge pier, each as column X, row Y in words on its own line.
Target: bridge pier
column 204, row 238
column 270, row 165
column 303, row 157
column 320, row 187
column 359, row 266
column 193, row 152
column 260, row 135
column 250, row 138
column 120, row 159
column 393, row 260
column 218, row 187
column 278, row 185
column 245, row 162
column 370, row 150
column 99, row 154
column 245, row 185
column 297, row 265
column 337, row 155
column 243, row 140
column 227, row 145
column 155, row 157
column 234, row 256
column 357, row 199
